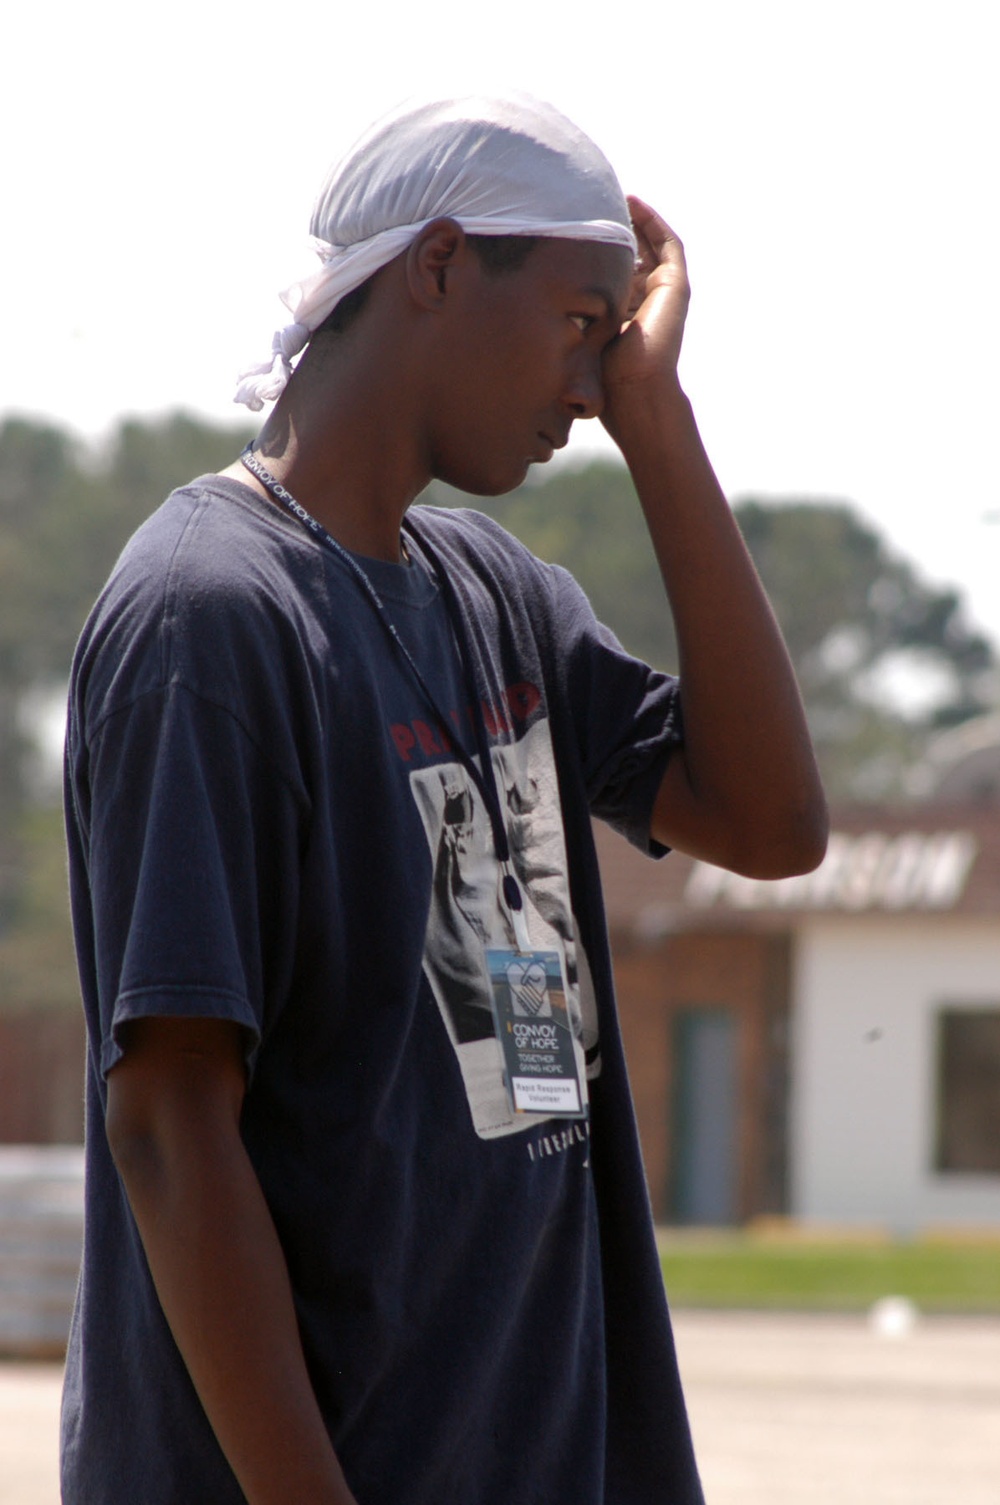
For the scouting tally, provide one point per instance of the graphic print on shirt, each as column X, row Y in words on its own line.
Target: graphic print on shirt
column 467, row 916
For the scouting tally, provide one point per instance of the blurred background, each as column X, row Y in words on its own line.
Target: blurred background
column 816, row 1063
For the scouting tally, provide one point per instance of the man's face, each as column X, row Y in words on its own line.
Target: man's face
column 520, row 358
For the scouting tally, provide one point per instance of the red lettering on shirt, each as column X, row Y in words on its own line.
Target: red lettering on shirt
column 517, row 703
column 404, row 740
column 425, row 737
column 496, row 721
column 522, row 699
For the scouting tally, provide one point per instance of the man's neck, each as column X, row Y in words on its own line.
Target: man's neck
column 343, row 509
column 347, row 448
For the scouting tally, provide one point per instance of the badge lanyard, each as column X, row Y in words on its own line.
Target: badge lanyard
column 484, row 778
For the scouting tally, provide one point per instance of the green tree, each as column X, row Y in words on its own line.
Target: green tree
column 37, row 466
column 882, row 657
column 65, row 513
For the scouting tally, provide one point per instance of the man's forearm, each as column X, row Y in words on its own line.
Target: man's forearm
column 217, row 1264
column 748, row 756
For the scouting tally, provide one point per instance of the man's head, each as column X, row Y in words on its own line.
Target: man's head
column 509, row 168
column 504, row 361
column 484, row 349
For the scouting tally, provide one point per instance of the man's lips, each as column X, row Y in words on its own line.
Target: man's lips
column 552, row 442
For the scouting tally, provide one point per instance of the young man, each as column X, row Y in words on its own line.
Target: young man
column 366, row 1216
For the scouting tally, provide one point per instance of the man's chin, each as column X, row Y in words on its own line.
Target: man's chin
column 497, row 483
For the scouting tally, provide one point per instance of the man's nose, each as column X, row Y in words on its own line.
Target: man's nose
column 585, row 391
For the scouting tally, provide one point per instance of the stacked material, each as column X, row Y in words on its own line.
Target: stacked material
column 41, row 1236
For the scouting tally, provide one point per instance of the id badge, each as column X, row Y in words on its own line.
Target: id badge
column 543, row 1061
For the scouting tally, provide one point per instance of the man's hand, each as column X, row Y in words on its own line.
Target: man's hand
column 641, row 364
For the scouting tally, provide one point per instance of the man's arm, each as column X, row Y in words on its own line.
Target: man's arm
column 744, row 792
column 174, row 1105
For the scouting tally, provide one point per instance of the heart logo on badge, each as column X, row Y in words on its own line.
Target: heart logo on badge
column 528, row 985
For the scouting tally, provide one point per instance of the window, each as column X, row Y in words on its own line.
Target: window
column 968, row 1081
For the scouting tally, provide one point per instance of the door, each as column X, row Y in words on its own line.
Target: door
column 703, row 1188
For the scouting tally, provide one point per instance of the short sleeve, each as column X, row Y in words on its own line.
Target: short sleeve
column 191, row 843
column 626, row 716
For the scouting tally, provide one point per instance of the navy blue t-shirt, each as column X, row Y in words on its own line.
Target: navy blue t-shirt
column 268, row 824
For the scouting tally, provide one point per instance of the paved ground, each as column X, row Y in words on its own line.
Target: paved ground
column 29, row 1412
column 786, row 1411
column 823, row 1411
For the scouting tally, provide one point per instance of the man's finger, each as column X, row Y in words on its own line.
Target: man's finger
column 653, row 229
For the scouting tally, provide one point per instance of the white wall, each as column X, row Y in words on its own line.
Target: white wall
column 865, row 999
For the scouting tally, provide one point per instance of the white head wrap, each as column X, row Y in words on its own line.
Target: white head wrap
column 501, row 165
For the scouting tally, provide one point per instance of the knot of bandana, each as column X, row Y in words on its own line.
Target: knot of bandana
column 503, row 165
column 265, row 381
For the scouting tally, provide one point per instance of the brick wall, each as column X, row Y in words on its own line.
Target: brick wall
column 42, row 1055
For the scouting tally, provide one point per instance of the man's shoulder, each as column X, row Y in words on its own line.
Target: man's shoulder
column 460, row 522
column 480, row 543
column 215, row 530
column 210, row 548
column 206, row 588
column 479, row 547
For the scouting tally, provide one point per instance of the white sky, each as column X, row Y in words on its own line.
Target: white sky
column 832, row 169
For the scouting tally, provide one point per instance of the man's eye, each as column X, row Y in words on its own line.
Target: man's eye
column 583, row 322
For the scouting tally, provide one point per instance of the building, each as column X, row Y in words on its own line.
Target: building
column 826, row 1047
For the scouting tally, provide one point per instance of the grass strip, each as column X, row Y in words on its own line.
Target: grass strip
column 848, row 1277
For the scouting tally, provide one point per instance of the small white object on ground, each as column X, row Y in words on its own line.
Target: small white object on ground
column 893, row 1317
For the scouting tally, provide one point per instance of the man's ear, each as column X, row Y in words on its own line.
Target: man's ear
column 439, row 250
